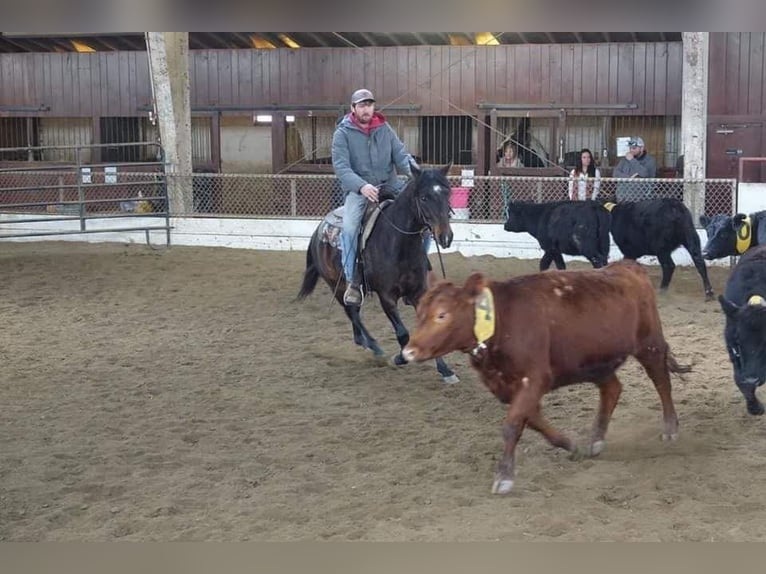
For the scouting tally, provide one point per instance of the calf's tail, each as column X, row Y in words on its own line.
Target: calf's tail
column 673, row 365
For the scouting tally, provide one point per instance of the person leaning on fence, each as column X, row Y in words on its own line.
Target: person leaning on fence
column 366, row 154
column 585, row 178
column 637, row 163
column 509, row 159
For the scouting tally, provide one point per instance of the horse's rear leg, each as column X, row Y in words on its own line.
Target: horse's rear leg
column 403, row 337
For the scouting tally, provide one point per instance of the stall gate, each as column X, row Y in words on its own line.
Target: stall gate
column 76, row 193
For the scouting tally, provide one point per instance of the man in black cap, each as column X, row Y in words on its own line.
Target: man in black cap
column 637, row 163
column 366, row 154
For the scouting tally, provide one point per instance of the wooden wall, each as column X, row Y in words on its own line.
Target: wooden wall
column 442, row 80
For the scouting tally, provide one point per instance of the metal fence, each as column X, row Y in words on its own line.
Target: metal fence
column 312, row 196
column 64, row 198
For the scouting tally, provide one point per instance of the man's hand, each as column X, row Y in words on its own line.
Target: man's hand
column 370, row 192
column 629, row 156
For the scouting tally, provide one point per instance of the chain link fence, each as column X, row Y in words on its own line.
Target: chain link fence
column 301, row 196
column 312, row 196
column 95, row 191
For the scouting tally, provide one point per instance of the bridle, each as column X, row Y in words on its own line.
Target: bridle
column 426, row 226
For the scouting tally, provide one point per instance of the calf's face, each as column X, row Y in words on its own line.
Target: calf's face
column 515, row 221
column 445, row 318
column 721, row 236
column 746, row 339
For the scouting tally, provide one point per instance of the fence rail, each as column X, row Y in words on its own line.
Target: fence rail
column 298, row 196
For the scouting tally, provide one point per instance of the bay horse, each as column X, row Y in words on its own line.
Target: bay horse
column 393, row 262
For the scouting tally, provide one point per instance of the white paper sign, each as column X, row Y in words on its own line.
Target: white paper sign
column 622, row 146
column 86, row 175
column 110, row 174
column 466, row 177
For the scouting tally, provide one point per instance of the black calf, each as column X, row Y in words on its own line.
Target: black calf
column 564, row 227
column 658, row 227
column 744, row 304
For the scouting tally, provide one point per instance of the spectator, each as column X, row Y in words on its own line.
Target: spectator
column 637, row 163
column 585, row 178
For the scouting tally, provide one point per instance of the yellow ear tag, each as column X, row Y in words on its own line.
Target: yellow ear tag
column 756, row 300
column 484, row 324
column 609, row 206
column 744, row 236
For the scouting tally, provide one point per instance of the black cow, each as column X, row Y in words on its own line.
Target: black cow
column 563, row 227
column 727, row 235
column 658, row 227
column 744, row 304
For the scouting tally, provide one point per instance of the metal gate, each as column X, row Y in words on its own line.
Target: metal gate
column 81, row 195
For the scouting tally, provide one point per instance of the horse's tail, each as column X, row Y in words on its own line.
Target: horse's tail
column 311, row 275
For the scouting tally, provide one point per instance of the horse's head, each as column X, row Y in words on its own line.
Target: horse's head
column 430, row 191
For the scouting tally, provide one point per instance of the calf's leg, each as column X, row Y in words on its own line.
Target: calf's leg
column 653, row 359
column 523, row 406
column 538, row 422
column 666, row 262
column 545, row 260
column 609, row 389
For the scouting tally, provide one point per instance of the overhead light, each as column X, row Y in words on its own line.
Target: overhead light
column 486, row 39
column 290, row 119
column 459, row 40
column 288, row 40
column 263, row 118
column 81, row 47
column 261, row 43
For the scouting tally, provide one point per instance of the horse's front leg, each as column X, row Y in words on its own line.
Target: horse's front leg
column 403, row 337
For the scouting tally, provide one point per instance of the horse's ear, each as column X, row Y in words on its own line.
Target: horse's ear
column 415, row 168
column 475, row 284
column 445, row 170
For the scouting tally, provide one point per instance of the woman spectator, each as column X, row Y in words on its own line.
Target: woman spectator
column 509, row 159
column 585, row 178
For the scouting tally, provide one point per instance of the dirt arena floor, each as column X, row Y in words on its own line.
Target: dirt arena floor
column 184, row 395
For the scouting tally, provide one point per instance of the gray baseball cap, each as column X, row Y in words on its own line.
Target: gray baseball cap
column 636, row 142
column 361, row 95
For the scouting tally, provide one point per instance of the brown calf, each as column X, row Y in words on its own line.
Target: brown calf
column 532, row 334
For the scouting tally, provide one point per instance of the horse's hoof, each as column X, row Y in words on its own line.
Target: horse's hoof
column 502, row 486
column 452, row 379
column 397, row 360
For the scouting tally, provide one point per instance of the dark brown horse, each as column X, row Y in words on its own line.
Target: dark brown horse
column 393, row 263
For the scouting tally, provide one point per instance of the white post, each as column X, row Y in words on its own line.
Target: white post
column 694, row 118
column 169, row 69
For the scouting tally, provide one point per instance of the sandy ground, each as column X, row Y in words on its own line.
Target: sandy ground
column 183, row 395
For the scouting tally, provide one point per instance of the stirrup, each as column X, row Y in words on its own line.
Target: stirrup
column 353, row 295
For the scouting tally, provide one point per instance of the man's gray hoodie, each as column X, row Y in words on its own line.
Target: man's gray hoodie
column 359, row 158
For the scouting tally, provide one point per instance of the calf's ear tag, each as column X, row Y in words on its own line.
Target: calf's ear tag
column 484, row 322
column 609, row 206
column 744, row 235
column 756, row 300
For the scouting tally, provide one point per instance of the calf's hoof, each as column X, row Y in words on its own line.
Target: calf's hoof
column 596, row 447
column 502, row 485
column 669, row 436
column 709, row 296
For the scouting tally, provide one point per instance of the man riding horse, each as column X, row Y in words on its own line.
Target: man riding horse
column 366, row 153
